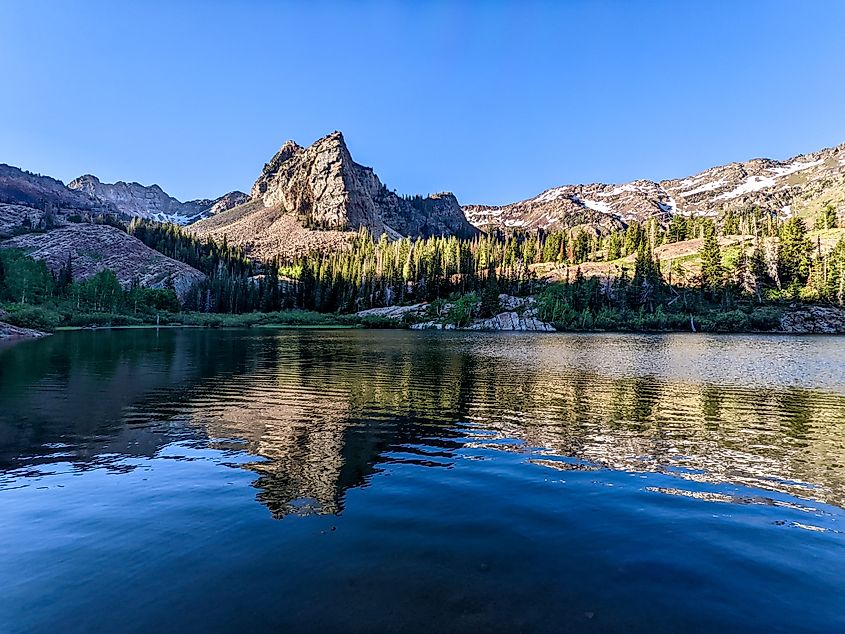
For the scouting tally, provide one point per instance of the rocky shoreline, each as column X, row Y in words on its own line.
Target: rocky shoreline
column 520, row 315
column 507, row 321
column 826, row 320
column 8, row 331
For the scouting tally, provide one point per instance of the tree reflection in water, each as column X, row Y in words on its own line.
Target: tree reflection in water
column 321, row 412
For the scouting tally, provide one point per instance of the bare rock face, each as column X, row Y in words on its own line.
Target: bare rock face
column 326, row 189
column 804, row 182
column 814, row 320
column 93, row 248
column 8, row 331
column 511, row 321
column 33, row 201
column 212, row 206
column 321, row 186
column 19, row 187
column 507, row 321
column 394, row 312
column 310, row 199
column 133, row 200
column 14, row 217
column 268, row 232
column 519, row 313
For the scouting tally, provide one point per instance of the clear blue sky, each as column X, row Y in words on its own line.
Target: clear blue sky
column 494, row 101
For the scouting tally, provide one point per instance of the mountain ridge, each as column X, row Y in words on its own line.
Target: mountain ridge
column 805, row 181
column 151, row 202
column 310, row 197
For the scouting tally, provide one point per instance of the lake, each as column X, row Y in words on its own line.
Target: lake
column 378, row 481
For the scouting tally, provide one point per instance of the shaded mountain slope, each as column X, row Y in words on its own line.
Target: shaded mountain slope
column 93, row 248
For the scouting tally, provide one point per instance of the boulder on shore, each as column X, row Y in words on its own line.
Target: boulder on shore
column 507, row 321
column 511, row 321
column 8, row 331
column 393, row 312
column 814, row 320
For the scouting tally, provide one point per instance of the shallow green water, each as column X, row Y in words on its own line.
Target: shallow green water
column 195, row 480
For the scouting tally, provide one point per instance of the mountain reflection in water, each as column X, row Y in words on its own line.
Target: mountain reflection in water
column 323, row 410
column 327, row 422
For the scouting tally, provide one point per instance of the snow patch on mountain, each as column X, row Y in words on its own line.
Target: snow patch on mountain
column 670, row 207
column 707, row 187
column 550, row 195
column 795, row 167
column 769, row 185
column 622, row 189
column 593, row 204
column 752, row 184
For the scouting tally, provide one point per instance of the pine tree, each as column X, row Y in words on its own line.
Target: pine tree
column 730, row 225
column 646, row 276
column 614, row 246
column 828, row 219
column 755, row 272
column 711, row 262
column 793, row 252
column 65, row 277
column 490, row 294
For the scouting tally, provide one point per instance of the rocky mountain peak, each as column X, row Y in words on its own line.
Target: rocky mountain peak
column 308, row 198
column 326, row 189
column 287, row 151
column 84, row 181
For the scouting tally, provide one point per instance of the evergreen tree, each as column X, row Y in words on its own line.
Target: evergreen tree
column 65, row 276
column 677, row 230
column 756, row 272
column 730, row 224
column 490, row 294
column 827, row 219
column 614, row 246
column 793, row 252
column 646, row 277
column 711, row 262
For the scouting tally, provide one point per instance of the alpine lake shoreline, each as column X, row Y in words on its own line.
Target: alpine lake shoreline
column 800, row 320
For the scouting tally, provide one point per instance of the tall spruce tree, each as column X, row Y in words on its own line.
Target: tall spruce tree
column 712, row 273
column 793, row 252
column 490, row 294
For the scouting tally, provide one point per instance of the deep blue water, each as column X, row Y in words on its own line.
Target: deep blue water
column 382, row 481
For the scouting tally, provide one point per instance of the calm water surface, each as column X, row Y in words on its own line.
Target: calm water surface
column 193, row 480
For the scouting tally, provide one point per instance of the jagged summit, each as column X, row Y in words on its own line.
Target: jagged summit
column 322, row 185
column 151, row 201
column 321, row 188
